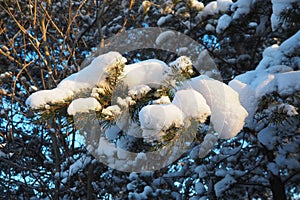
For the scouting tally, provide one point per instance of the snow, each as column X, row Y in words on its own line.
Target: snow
column 288, row 82
column 196, row 99
column 106, row 148
column 267, row 137
column 182, row 63
column 2, row 154
column 194, row 4
column 269, row 76
column 224, row 5
column 112, row 132
column 149, row 72
column 207, row 144
column 252, row 86
column 278, row 6
column 162, row 100
column 122, row 154
column 125, row 103
column 241, row 8
column 223, row 23
column 275, row 55
column 224, row 184
column 112, row 111
column 164, row 37
column 157, row 118
column 74, row 168
column 164, row 19
column 227, row 114
column 83, row 105
column 139, row 91
column 192, row 104
column 210, row 9
column 199, row 188
column 85, row 79
column 289, row 109
column 210, row 28
column 291, row 45
column 273, row 168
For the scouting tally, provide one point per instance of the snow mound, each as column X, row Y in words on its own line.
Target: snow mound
column 223, row 23
column 241, row 8
column 278, row 6
column 83, row 105
column 148, row 72
column 192, row 104
column 85, row 79
column 227, row 114
column 157, row 118
column 269, row 76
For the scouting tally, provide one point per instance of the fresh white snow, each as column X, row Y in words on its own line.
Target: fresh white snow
column 85, row 79
column 83, row 105
column 223, row 23
column 157, row 118
column 227, row 114
column 192, row 104
column 149, row 72
column 278, row 6
column 241, row 8
column 269, row 76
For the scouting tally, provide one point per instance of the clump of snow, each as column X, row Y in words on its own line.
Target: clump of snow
column 157, row 118
column 214, row 7
column 227, row 114
column 224, row 184
column 199, row 188
column 207, row 144
column 83, row 105
column 224, row 5
column 210, row 28
column 139, row 91
column 112, row 132
column 196, row 5
column 192, row 104
column 267, row 137
column 223, row 23
column 164, row 19
column 106, row 148
column 165, row 37
column 291, row 45
column 85, row 79
column 149, row 72
column 269, row 76
column 111, row 111
column 183, row 63
column 167, row 7
column 126, row 102
column 289, row 109
column 162, row 100
column 241, row 8
column 96, row 92
column 209, row 9
column 33, row 88
column 278, row 6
